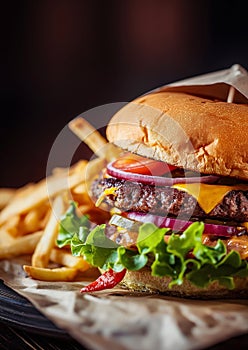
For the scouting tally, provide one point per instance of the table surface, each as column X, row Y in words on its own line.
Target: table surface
column 14, row 338
column 24, row 327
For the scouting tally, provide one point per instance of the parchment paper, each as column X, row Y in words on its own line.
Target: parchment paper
column 215, row 85
column 117, row 319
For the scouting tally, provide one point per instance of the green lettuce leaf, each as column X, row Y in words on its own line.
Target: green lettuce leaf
column 71, row 224
column 132, row 260
column 180, row 245
column 149, row 237
column 183, row 257
column 97, row 249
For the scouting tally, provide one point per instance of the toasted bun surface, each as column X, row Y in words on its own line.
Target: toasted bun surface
column 187, row 131
column 143, row 281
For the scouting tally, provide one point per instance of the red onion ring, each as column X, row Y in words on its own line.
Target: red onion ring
column 181, row 225
column 158, row 180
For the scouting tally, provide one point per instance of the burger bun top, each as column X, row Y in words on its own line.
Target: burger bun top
column 187, row 131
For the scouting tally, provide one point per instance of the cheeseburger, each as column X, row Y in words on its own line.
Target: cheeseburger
column 178, row 198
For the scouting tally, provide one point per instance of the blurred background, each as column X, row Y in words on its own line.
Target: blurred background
column 60, row 58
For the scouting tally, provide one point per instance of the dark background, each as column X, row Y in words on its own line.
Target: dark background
column 61, row 58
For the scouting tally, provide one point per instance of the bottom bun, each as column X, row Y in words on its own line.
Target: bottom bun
column 143, row 281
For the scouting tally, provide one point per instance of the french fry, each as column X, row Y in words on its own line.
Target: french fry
column 81, row 193
column 88, row 134
column 13, row 225
column 59, row 171
column 19, row 225
column 80, row 189
column 84, row 208
column 93, row 168
column 20, row 246
column 82, row 198
column 6, row 194
column 33, row 220
column 30, row 226
column 46, row 217
column 5, row 237
column 37, row 194
column 96, row 142
column 43, row 250
column 63, row 257
column 52, row 275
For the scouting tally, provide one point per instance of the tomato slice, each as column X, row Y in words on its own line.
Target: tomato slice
column 133, row 163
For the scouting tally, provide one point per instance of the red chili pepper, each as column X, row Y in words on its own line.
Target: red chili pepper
column 107, row 280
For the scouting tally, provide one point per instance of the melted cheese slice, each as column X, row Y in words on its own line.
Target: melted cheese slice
column 208, row 196
column 104, row 194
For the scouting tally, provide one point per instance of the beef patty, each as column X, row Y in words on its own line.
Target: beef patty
column 134, row 196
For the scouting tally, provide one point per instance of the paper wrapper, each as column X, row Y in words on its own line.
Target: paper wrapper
column 117, row 319
column 215, row 85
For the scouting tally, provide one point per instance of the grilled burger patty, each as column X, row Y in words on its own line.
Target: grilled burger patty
column 134, row 196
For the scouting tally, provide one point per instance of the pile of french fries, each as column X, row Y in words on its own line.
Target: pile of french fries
column 29, row 216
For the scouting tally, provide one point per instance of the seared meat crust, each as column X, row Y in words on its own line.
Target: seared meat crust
column 134, row 196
